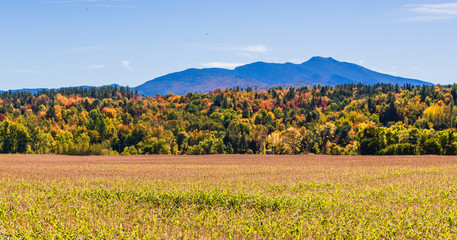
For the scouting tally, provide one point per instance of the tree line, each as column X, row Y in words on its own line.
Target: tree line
column 348, row 119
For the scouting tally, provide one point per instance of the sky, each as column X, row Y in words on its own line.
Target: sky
column 61, row 43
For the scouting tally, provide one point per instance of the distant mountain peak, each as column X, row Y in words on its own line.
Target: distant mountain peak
column 317, row 70
column 319, row 58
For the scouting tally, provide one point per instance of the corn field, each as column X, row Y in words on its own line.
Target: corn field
column 228, row 197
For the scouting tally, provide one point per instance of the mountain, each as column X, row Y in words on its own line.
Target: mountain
column 36, row 90
column 261, row 75
column 317, row 70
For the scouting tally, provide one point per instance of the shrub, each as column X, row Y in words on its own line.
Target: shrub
column 400, row 149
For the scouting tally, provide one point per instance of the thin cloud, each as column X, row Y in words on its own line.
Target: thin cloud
column 442, row 8
column 99, row 66
column 227, row 65
column 254, row 49
column 431, row 12
column 245, row 51
column 244, row 54
column 425, row 18
column 126, row 65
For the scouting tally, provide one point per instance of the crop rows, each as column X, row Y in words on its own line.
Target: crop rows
column 291, row 197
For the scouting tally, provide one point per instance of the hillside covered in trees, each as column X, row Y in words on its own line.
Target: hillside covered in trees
column 347, row 119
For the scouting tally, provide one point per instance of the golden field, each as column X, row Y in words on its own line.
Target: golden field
column 228, row 197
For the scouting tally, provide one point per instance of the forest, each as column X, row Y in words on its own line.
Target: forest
column 351, row 119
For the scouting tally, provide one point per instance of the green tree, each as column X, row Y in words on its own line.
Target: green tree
column 14, row 137
column 371, row 140
column 448, row 142
column 390, row 111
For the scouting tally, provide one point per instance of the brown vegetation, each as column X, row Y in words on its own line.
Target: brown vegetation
column 208, row 167
column 228, row 196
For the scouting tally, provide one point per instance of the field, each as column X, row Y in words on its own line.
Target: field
column 228, row 197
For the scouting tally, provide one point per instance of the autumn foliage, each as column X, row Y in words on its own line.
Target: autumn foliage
column 342, row 120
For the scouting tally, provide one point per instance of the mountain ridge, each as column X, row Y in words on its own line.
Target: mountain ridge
column 36, row 90
column 263, row 75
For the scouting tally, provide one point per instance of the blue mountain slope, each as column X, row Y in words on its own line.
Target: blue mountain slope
column 261, row 75
column 36, row 90
column 317, row 70
column 196, row 80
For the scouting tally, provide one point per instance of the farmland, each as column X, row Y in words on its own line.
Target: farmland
column 228, row 196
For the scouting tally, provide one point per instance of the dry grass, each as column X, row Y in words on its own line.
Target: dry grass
column 228, row 196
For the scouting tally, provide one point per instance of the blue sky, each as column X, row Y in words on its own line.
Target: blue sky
column 59, row 43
